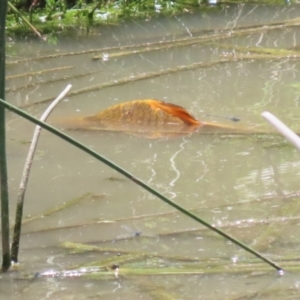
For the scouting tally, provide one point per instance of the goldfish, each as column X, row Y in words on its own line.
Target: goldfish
column 149, row 118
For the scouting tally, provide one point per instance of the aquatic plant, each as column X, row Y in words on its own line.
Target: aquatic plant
column 59, row 16
column 3, row 168
column 23, row 185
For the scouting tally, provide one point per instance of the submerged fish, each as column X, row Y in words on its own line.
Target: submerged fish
column 148, row 118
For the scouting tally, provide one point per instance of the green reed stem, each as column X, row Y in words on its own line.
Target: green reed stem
column 3, row 167
column 135, row 180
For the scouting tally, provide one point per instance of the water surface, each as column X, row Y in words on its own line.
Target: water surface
column 240, row 182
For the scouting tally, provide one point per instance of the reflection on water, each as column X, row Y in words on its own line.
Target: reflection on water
column 238, row 182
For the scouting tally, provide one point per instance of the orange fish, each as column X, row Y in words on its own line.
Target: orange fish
column 148, row 118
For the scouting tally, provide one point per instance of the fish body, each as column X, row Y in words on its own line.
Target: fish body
column 149, row 118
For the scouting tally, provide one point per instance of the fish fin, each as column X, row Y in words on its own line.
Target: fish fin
column 177, row 111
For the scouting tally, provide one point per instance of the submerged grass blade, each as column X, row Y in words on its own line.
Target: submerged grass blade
column 136, row 180
column 26, row 75
column 138, row 77
column 85, row 248
column 3, row 169
column 204, row 36
column 131, row 268
column 53, row 80
column 56, row 209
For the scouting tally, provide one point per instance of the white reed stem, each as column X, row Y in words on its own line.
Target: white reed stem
column 283, row 129
column 25, row 175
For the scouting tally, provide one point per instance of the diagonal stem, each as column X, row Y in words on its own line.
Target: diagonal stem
column 136, row 180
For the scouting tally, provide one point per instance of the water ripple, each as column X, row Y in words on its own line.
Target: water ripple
column 173, row 164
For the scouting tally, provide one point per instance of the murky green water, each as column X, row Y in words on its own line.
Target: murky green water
column 246, row 184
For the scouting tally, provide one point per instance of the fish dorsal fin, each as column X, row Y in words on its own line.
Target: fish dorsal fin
column 176, row 111
column 147, row 112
